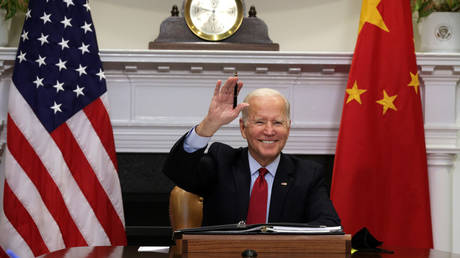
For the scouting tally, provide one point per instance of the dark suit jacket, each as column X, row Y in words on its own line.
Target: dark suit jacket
column 222, row 178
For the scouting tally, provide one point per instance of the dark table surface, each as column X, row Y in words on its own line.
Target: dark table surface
column 132, row 251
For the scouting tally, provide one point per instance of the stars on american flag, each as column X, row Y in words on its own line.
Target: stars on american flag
column 79, row 91
column 25, row 35
column 28, row 14
column 100, row 74
column 64, row 43
column 56, row 107
column 43, row 39
column 40, row 60
column 38, row 82
column 21, row 56
column 58, row 86
column 46, row 18
column 66, row 22
column 87, row 27
column 68, row 2
column 81, row 70
column 84, row 48
column 87, row 6
column 62, row 66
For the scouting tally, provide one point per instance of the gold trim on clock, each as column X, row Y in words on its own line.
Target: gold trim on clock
column 211, row 23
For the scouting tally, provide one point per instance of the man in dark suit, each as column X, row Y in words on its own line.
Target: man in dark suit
column 257, row 184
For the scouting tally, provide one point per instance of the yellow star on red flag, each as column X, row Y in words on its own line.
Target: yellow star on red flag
column 355, row 93
column 387, row 102
column 414, row 81
column 370, row 14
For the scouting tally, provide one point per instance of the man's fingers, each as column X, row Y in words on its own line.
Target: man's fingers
column 240, row 107
column 240, row 85
column 229, row 85
column 217, row 88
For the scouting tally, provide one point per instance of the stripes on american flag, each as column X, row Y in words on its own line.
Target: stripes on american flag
column 60, row 186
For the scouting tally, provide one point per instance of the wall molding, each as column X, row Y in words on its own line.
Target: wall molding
column 177, row 85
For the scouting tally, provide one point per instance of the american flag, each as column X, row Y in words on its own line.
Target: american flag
column 61, row 186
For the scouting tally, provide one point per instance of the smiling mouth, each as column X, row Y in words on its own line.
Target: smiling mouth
column 267, row 142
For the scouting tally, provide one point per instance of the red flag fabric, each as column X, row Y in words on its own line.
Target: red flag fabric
column 380, row 176
column 60, row 185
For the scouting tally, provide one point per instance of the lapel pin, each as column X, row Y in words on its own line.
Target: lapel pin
column 284, row 183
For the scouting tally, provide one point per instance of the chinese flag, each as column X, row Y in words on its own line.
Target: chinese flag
column 380, row 176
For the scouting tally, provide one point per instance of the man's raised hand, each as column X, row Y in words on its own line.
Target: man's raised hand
column 221, row 111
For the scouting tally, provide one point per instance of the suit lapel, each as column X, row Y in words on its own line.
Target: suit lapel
column 284, row 179
column 242, row 178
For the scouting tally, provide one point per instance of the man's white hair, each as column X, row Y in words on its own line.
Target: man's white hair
column 265, row 92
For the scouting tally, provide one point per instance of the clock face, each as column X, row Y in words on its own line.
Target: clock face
column 213, row 19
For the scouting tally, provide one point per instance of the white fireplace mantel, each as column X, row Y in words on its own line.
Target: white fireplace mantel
column 155, row 96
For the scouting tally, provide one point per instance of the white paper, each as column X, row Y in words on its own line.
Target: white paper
column 155, row 249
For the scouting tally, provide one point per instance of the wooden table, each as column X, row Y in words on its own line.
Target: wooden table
column 266, row 244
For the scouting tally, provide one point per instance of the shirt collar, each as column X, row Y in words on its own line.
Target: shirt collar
column 272, row 167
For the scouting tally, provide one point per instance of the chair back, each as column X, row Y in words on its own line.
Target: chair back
column 185, row 209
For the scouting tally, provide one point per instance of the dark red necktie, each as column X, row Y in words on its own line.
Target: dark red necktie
column 258, row 203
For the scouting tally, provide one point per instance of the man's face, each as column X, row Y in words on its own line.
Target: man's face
column 266, row 129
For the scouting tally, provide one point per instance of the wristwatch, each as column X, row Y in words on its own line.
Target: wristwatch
column 213, row 20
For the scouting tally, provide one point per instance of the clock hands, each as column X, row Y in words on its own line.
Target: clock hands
column 200, row 8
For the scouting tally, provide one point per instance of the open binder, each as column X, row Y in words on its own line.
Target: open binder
column 270, row 228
